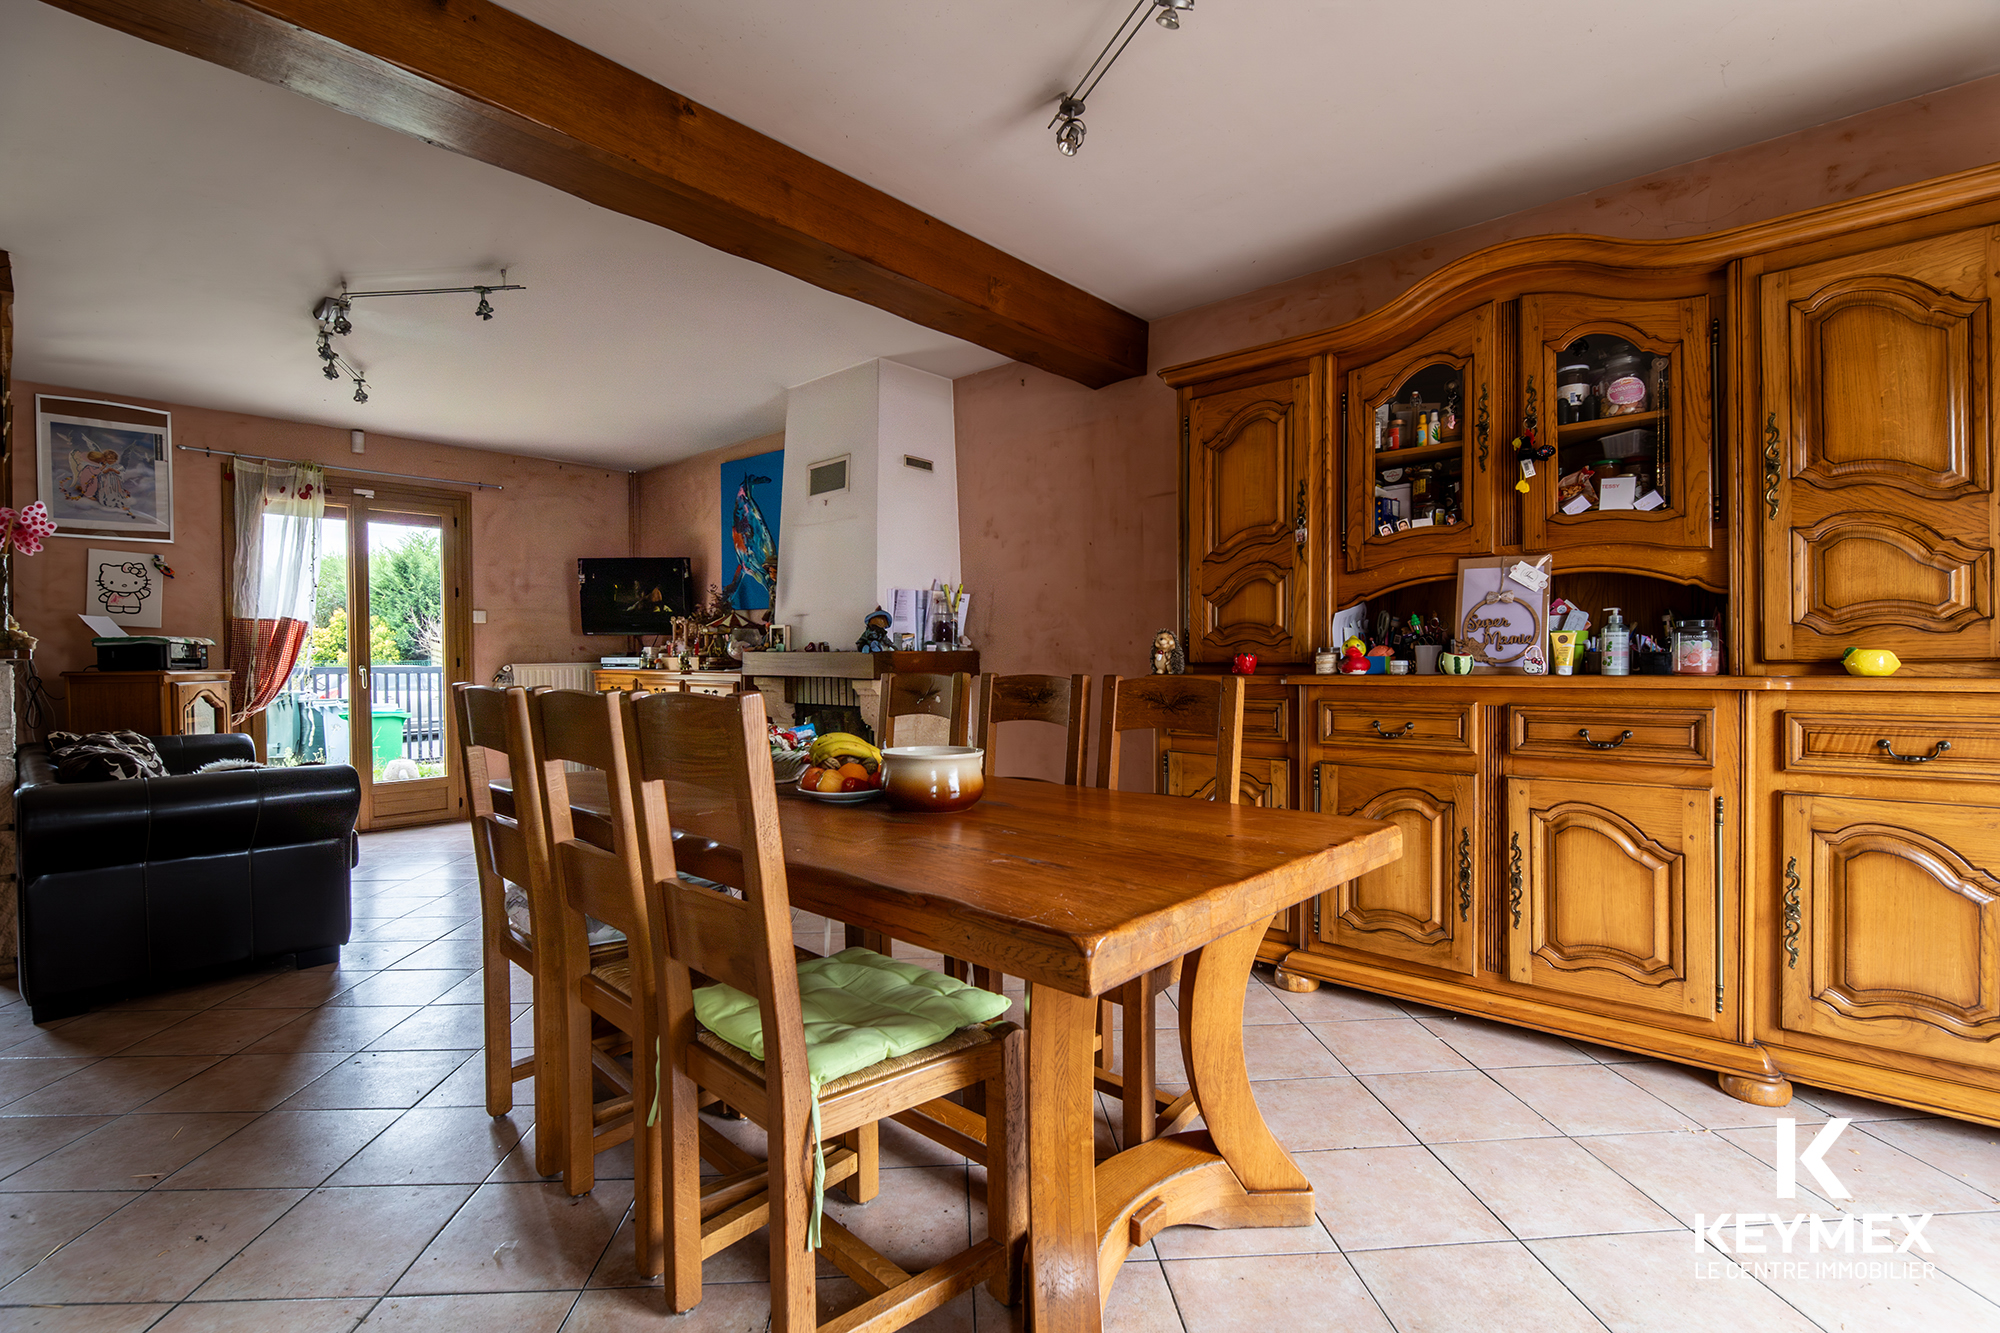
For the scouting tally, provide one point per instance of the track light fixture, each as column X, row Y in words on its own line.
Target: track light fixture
column 1068, row 120
column 332, row 312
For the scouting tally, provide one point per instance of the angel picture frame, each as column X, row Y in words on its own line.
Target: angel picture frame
column 105, row 470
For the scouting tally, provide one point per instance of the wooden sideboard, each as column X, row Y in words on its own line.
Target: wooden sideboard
column 1781, row 872
column 152, row 703
column 667, row 682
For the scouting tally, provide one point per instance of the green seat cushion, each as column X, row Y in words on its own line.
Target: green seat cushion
column 860, row 1009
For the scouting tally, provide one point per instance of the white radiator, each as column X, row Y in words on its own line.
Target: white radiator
column 556, row 675
column 559, row 675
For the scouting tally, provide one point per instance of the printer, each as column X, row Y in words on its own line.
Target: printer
column 152, row 652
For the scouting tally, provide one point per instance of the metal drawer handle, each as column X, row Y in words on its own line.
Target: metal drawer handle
column 1936, row 751
column 1584, row 736
column 1408, row 727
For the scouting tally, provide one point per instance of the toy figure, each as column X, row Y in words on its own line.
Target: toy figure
column 875, row 637
column 1168, row 659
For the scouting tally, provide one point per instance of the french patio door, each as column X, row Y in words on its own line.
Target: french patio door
column 408, row 639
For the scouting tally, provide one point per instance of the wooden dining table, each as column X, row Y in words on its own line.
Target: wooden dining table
column 1078, row 890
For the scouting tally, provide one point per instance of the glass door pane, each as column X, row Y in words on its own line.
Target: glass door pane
column 406, row 649
column 307, row 723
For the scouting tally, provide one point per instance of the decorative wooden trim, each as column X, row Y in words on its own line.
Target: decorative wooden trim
column 472, row 77
column 1515, row 265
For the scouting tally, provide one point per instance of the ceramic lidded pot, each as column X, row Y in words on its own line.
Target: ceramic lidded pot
column 1455, row 664
column 933, row 778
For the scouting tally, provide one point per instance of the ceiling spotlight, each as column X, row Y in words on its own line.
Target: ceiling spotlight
column 360, row 390
column 1068, row 120
column 1069, row 127
column 485, row 308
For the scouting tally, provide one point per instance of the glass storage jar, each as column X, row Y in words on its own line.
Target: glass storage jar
column 1697, row 648
column 1624, row 384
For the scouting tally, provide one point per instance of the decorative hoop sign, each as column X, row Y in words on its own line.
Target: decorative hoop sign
column 1503, row 622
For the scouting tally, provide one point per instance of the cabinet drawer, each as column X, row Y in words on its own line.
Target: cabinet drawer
column 1881, row 744
column 1682, row 736
column 1263, row 720
column 1405, row 726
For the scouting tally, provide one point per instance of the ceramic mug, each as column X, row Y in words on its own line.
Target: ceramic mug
column 1455, row 664
column 1245, row 664
column 1427, row 658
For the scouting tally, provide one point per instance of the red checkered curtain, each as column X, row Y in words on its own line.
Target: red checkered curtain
column 278, row 512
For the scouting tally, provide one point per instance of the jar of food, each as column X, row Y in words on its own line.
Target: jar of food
column 1624, row 384
column 1607, row 467
column 1697, row 648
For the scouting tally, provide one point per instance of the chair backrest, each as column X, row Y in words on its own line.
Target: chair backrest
column 711, row 754
column 925, row 695
column 1208, row 706
column 505, row 847
column 574, row 731
column 1063, row 701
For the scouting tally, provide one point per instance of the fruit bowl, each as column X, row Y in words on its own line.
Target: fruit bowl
column 840, row 797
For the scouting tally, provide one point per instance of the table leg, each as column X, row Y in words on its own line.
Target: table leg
column 1063, row 1294
column 1212, row 989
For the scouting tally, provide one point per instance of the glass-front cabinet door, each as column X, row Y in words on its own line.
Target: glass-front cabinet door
column 1621, row 389
column 1418, row 449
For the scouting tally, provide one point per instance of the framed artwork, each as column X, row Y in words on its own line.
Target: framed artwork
column 122, row 586
column 105, row 469
column 1503, row 617
column 752, row 493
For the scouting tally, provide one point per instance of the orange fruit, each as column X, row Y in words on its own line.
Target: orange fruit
column 853, row 769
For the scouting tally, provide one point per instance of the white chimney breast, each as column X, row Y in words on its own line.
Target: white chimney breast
column 895, row 526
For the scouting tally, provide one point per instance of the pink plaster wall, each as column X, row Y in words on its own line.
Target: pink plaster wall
column 1068, row 498
column 526, row 537
column 680, row 507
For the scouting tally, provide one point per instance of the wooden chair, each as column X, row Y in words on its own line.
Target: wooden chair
column 1063, row 701
column 1210, row 706
column 576, row 727
column 925, row 695
column 694, row 751
column 512, row 845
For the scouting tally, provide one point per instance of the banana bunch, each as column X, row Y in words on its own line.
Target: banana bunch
column 829, row 750
column 842, row 763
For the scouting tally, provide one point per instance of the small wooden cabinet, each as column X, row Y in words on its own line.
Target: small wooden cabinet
column 667, row 682
column 152, row 703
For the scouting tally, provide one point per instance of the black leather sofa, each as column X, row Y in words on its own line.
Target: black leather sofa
column 127, row 885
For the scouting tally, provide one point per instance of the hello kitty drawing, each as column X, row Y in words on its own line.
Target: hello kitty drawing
column 123, row 587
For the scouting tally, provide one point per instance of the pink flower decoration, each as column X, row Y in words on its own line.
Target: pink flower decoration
column 24, row 531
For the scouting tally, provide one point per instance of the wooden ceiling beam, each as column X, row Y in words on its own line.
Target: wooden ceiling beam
column 479, row 80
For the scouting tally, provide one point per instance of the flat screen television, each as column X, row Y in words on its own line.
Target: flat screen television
column 637, row 595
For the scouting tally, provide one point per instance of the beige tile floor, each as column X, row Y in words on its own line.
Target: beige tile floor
column 308, row 1151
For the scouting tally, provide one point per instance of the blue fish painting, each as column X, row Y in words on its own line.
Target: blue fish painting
column 751, row 508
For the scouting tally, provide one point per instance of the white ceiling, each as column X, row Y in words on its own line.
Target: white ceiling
column 171, row 223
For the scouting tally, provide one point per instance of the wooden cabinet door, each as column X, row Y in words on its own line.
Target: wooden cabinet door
column 1682, row 423
column 1611, row 892
column 1263, row 781
column 1874, row 484
column 1249, row 508
column 1419, row 909
column 1465, row 346
column 1890, row 928
column 199, row 709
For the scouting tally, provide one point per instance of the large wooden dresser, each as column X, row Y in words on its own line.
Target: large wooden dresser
column 1779, row 872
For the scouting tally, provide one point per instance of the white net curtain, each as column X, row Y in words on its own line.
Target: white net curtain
column 278, row 511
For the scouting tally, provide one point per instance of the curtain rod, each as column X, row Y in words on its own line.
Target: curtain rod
column 353, row 471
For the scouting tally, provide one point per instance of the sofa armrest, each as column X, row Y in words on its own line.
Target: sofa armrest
column 184, row 754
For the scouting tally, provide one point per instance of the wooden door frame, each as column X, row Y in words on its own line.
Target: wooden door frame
column 455, row 540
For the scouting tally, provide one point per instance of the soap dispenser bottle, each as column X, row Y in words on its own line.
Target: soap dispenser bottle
column 1616, row 642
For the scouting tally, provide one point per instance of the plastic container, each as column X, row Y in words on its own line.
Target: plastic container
column 1624, row 384
column 1697, row 648
column 1614, row 641
column 1627, row 444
